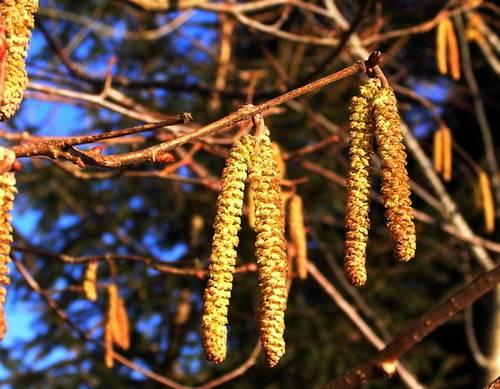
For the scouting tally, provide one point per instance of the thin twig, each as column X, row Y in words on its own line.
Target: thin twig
column 482, row 120
column 244, row 113
column 358, row 321
column 48, row 146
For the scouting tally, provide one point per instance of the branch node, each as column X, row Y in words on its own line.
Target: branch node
column 373, row 59
column 163, row 157
column 388, row 367
column 186, row 117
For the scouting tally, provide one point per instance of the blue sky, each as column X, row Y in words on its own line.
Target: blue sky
column 65, row 119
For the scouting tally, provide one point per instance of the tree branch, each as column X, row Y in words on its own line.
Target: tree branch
column 358, row 322
column 245, row 113
column 384, row 362
column 62, row 148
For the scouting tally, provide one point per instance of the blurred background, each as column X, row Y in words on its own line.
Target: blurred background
column 100, row 65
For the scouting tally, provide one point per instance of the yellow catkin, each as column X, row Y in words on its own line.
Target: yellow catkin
column 112, row 308
column 394, row 176
column 18, row 18
column 438, row 150
column 441, row 40
column 89, row 281
column 122, row 328
column 7, row 193
column 250, row 207
column 223, row 256
column 270, row 249
column 475, row 28
column 298, row 234
column 197, row 228
column 357, row 221
column 487, row 202
column 447, row 153
column 453, row 52
column 281, row 166
column 184, row 308
column 116, row 327
column 278, row 159
column 478, row 197
column 108, row 343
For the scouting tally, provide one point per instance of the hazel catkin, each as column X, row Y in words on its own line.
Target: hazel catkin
column 281, row 166
column 7, row 193
column 18, row 20
column 447, row 153
column 453, row 52
column 223, row 256
column 298, row 234
column 487, row 202
column 441, row 43
column 270, row 248
column 279, row 160
column 438, row 150
column 394, row 176
column 116, row 326
column 89, row 281
column 118, row 318
column 447, row 49
column 121, row 335
column 108, row 343
column 357, row 221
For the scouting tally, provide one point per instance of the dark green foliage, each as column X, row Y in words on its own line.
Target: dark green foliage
column 151, row 217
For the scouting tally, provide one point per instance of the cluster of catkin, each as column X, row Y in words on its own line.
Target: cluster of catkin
column 374, row 117
column 293, row 208
column 7, row 193
column 116, row 326
column 17, row 18
column 447, row 51
column 250, row 157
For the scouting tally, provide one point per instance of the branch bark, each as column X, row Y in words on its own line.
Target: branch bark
column 62, row 148
column 384, row 362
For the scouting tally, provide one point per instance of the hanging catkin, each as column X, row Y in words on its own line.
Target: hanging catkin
column 394, row 176
column 18, row 20
column 250, row 206
column 121, row 334
column 7, row 193
column 453, row 52
column 270, row 248
column 443, row 152
column 116, row 326
column 278, row 159
column 447, row 50
column 196, row 230
column 447, row 153
column 108, row 342
column 438, row 150
column 118, row 318
column 89, row 281
column 223, row 255
column 475, row 28
column 281, row 166
column 441, row 56
column 298, row 234
column 184, row 308
column 357, row 220
column 487, row 202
